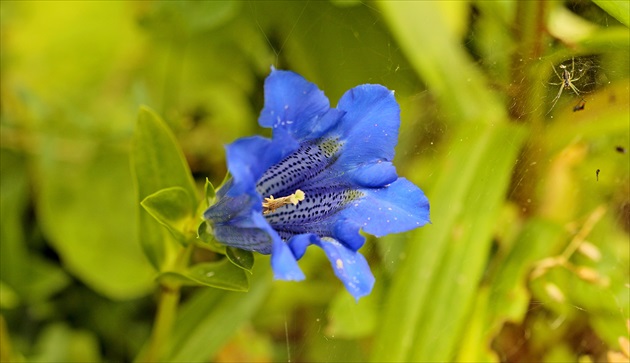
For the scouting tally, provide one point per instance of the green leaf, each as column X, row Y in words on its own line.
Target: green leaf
column 157, row 163
column 43, row 278
column 171, row 208
column 85, row 209
column 210, row 193
column 9, row 299
column 241, row 258
column 222, row 275
column 59, row 343
column 466, row 201
column 618, row 9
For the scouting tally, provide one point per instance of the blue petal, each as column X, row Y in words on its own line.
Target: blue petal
column 248, row 159
column 369, row 133
column 284, row 263
column 374, row 175
column 347, row 232
column 238, row 222
column 349, row 266
column 299, row 243
column 295, row 106
column 399, row 207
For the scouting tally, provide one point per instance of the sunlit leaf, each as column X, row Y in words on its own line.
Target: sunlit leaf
column 171, row 208
column 157, row 163
column 618, row 9
column 222, row 275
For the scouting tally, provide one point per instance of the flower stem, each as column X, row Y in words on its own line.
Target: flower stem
column 167, row 310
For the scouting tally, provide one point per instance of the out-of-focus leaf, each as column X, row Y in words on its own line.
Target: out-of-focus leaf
column 474, row 346
column 241, row 258
column 211, row 317
column 506, row 297
column 349, row 319
column 171, row 207
column 433, row 291
column 85, row 208
column 157, row 163
column 618, row 9
column 440, row 60
column 508, row 292
column 189, row 17
column 9, row 299
column 42, row 278
column 222, row 275
column 59, row 343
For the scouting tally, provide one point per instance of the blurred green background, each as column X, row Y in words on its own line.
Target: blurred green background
column 526, row 259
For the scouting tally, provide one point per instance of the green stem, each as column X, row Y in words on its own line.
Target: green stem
column 167, row 311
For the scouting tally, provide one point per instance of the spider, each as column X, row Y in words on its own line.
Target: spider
column 566, row 82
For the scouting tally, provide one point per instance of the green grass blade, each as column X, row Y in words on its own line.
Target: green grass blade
column 210, row 318
column 434, row 287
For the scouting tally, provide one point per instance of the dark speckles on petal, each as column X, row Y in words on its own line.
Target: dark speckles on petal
column 298, row 168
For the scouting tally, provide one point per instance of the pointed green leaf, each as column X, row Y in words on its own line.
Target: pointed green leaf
column 210, row 193
column 241, row 258
column 157, row 163
column 171, row 208
column 222, row 275
column 618, row 9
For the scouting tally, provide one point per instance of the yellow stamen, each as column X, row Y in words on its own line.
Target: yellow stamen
column 271, row 204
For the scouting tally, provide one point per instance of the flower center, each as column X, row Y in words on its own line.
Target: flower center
column 271, row 204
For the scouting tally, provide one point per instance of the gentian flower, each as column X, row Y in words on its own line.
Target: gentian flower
column 325, row 174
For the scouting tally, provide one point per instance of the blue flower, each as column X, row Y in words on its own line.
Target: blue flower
column 325, row 175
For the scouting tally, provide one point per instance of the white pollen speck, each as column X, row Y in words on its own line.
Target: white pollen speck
column 286, row 107
column 390, row 208
column 388, row 221
column 273, row 112
column 375, row 125
column 356, row 204
column 209, row 274
column 369, row 218
column 339, row 264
